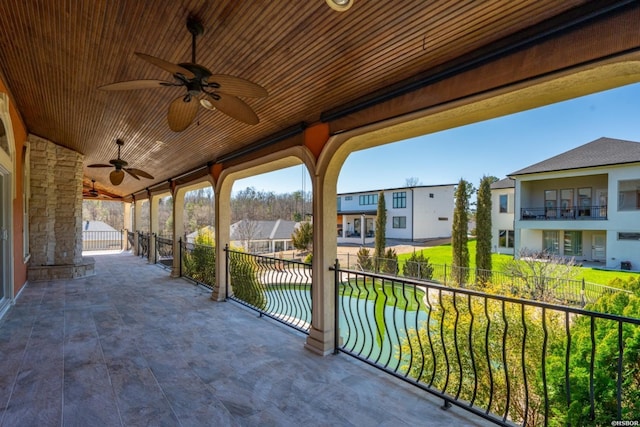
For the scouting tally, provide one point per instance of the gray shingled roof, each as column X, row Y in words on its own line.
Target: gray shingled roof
column 601, row 152
column 503, row 183
column 265, row 230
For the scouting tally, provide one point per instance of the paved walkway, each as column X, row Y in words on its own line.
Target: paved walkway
column 130, row 347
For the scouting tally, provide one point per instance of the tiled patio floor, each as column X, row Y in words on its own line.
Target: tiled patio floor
column 131, row 346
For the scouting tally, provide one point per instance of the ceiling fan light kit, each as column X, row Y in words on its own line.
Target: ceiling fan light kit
column 120, row 167
column 212, row 91
column 340, row 5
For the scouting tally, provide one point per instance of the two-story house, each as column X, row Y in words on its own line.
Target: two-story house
column 502, row 205
column 584, row 203
column 413, row 213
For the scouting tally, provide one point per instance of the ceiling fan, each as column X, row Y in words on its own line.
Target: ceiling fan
column 212, row 91
column 117, row 175
column 92, row 193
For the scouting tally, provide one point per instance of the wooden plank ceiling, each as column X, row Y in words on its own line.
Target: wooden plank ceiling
column 55, row 54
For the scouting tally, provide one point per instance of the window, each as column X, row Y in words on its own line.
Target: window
column 348, row 197
column 399, row 222
column 584, row 201
column 573, row 243
column 629, row 236
column 505, row 238
column 504, row 203
column 369, row 199
column 431, row 196
column 550, row 241
column 566, row 202
column 629, row 195
column 400, row 199
column 551, row 202
column 443, row 218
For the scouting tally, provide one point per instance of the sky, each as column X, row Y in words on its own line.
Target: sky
column 493, row 147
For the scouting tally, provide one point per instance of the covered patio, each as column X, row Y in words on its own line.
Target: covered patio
column 132, row 346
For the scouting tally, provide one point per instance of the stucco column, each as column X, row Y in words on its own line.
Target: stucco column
column 126, row 224
column 222, row 204
column 178, row 229
column 137, row 220
column 154, row 204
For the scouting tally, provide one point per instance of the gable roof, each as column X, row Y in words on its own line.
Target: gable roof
column 503, row 183
column 601, row 152
column 96, row 226
column 265, row 230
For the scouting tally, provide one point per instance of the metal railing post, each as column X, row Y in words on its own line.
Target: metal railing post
column 180, row 256
column 336, row 308
column 228, row 275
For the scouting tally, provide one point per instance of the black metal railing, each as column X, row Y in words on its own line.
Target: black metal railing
column 102, row 240
column 567, row 213
column 507, row 360
column 130, row 239
column 164, row 251
column 143, row 244
column 198, row 263
column 277, row 288
column 576, row 293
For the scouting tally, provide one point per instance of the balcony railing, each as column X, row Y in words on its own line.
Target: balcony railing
column 102, row 240
column 143, row 244
column 277, row 288
column 164, row 251
column 507, row 360
column 560, row 214
column 130, row 239
column 503, row 359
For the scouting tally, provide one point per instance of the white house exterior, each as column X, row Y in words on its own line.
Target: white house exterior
column 584, row 203
column 413, row 213
column 502, row 205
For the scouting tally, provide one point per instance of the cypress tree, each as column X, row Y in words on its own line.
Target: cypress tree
column 381, row 230
column 459, row 239
column 483, row 231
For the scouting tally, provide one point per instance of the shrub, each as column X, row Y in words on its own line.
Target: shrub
column 418, row 266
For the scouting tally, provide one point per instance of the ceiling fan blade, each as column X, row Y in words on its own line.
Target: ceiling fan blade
column 235, row 86
column 139, row 173
column 116, row 177
column 231, row 106
column 165, row 65
column 136, row 84
column 100, row 166
column 182, row 113
column 131, row 173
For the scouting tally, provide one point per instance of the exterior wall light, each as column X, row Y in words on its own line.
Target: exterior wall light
column 340, row 5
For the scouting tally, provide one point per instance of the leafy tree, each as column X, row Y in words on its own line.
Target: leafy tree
column 417, row 266
column 247, row 230
column 459, row 238
column 538, row 274
column 200, row 262
column 605, row 363
column 381, row 230
column 244, row 281
column 486, row 372
column 483, row 232
column 364, row 259
column 389, row 263
column 302, row 237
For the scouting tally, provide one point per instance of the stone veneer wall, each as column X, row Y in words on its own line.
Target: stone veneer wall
column 55, row 212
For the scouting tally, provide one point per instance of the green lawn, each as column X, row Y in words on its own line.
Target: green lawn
column 442, row 255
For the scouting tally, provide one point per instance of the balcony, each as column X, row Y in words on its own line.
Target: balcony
column 570, row 213
column 132, row 346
